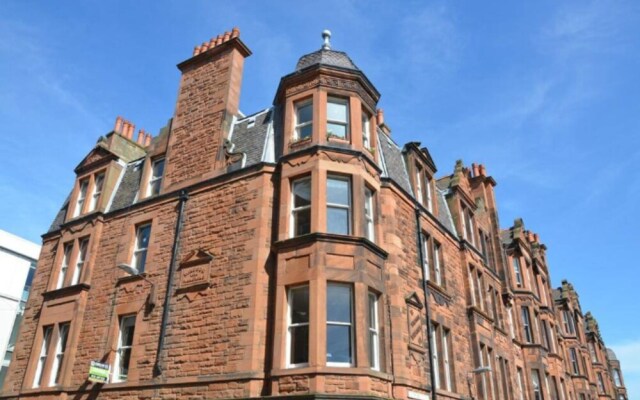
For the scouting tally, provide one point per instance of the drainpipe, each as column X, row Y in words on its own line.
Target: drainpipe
column 157, row 367
column 427, row 310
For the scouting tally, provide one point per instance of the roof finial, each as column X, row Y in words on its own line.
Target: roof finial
column 326, row 35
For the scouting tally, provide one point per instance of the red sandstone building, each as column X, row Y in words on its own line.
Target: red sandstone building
column 298, row 252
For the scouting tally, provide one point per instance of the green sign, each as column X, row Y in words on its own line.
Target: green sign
column 98, row 372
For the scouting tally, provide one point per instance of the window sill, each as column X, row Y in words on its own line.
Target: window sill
column 299, row 142
column 328, row 370
column 439, row 293
column 131, row 278
column 338, row 140
column 476, row 310
column 66, row 291
column 330, row 237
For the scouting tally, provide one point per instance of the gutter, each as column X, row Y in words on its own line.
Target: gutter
column 427, row 310
column 157, row 367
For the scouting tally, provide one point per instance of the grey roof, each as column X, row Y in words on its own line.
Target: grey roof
column 444, row 214
column 60, row 216
column 129, row 185
column 394, row 162
column 611, row 354
column 557, row 294
column 328, row 58
column 250, row 134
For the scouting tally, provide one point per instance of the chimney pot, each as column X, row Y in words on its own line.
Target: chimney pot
column 140, row 139
column 132, row 128
column 482, row 170
column 118, row 126
column 475, row 169
column 380, row 117
column 147, row 140
column 536, row 237
column 227, row 36
column 235, row 32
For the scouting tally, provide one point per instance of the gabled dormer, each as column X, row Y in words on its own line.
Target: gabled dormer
column 422, row 170
column 327, row 101
column 99, row 171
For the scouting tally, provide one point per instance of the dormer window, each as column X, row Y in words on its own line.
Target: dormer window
column 97, row 191
column 82, row 194
column 466, row 218
column 157, row 170
column 337, row 117
column 366, row 130
column 304, row 120
column 428, row 193
column 418, row 183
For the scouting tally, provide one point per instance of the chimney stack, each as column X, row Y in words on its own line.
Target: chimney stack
column 475, row 169
column 380, row 116
column 482, row 170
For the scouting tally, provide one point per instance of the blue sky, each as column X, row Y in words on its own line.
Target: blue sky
column 545, row 94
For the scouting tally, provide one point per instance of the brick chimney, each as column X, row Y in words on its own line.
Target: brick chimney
column 208, row 99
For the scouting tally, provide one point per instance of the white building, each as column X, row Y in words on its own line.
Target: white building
column 18, row 259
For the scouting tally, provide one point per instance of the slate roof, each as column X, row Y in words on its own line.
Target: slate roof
column 60, row 216
column 254, row 137
column 249, row 136
column 129, row 186
column 611, row 355
column 394, row 166
column 329, row 58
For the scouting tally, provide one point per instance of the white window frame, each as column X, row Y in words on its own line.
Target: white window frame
column 125, row 321
column 435, row 355
column 374, row 332
column 96, row 191
column 428, row 192
column 573, row 359
column 472, row 285
column 350, row 324
column 366, row 130
column 521, row 383
column 153, row 178
column 67, row 250
column 81, row 255
column 517, row 270
column 342, row 102
column 347, row 206
column 535, row 377
column 296, row 210
column 61, row 345
column 82, row 196
column 368, row 214
column 527, row 335
column 291, row 326
column 436, row 263
column 137, row 251
column 419, row 184
column 299, row 126
column 426, row 267
column 44, row 353
column 445, row 358
column 512, row 329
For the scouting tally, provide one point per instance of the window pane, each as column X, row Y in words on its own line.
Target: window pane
column 302, row 193
column 127, row 328
column 338, row 191
column 339, row 303
column 338, row 343
column 158, row 168
column 305, row 131
column 299, row 344
column 337, row 130
column 302, row 222
column 143, row 236
column 337, row 110
column 305, row 113
column 338, row 221
column 125, row 356
column 299, row 305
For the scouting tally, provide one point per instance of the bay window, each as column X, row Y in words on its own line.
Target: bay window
column 573, row 358
column 338, row 205
column 301, row 207
column 339, row 325
column 298, row 326
column 535, row 382
column 517, row 270
column 303, row 120
column 337, row 117
column 526, row 325
column 123, row 351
